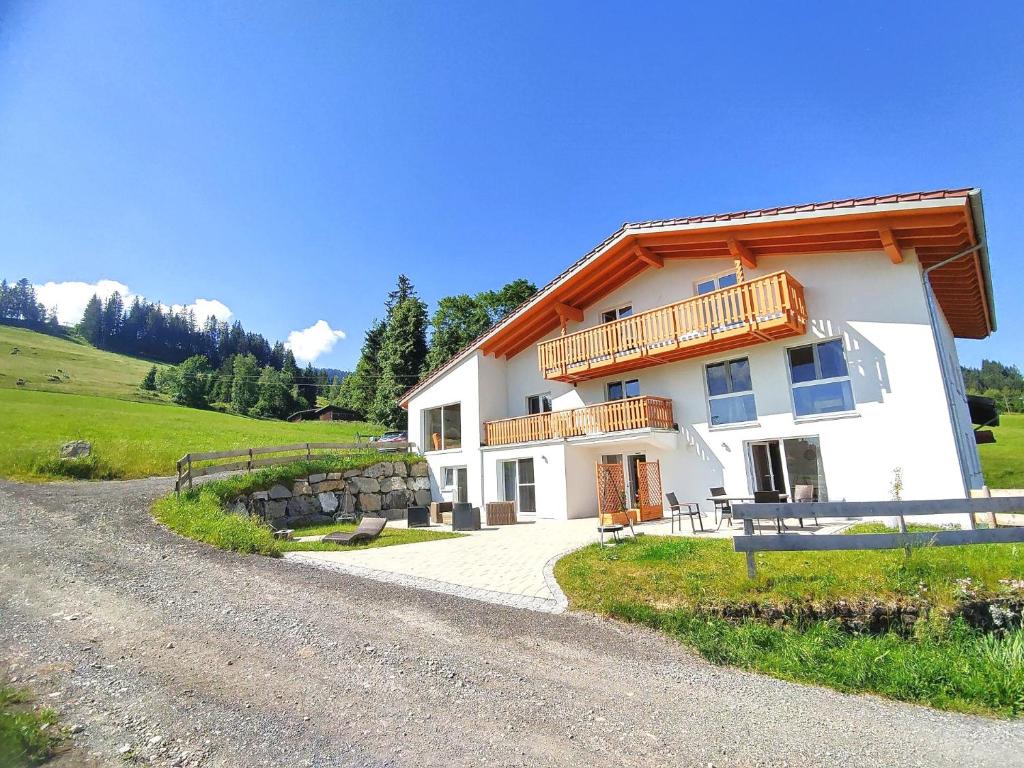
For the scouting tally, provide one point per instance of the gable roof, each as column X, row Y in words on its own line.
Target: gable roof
column 938, row 224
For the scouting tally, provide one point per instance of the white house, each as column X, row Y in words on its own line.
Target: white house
column 807, row 344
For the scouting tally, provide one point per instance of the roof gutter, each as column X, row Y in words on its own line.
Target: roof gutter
column 978, row 214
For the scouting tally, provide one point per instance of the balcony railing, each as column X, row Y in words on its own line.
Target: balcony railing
column 646, row 412
column 762, row 309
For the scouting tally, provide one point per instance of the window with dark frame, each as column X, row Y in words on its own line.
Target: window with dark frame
column 730, row 392
column 620, row 390
column 820, row 379
column 538, row 403
column 611, row 315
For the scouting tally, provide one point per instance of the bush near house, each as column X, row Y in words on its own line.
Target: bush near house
column 200, row 514
column 926, row 651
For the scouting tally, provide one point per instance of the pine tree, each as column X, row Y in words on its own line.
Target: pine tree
column 92, row 321
column 402, row 359
column 113, row 320
column 358, row 388
column 149, row 382
column 6, row 297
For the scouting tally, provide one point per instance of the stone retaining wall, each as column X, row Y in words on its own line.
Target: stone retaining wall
column 387, row 488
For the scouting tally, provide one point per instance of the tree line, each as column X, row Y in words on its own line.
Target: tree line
column 1003, row 383
column 223, row 365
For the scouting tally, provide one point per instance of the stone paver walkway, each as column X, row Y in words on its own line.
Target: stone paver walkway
column 508, row 565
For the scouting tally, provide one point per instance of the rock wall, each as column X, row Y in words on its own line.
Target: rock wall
column 387, row 488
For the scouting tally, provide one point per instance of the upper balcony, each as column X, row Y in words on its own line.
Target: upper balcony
column 616, row 416
column 763, row 309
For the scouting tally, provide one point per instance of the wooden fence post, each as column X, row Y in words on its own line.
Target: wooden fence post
column 189, row 457
column 309, row 455
column 248, row 466
column 177, row 480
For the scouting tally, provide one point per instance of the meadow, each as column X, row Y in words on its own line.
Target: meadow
column 1003, row 461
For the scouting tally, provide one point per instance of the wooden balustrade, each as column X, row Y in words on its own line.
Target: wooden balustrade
column 647, row 412
column 762, row 309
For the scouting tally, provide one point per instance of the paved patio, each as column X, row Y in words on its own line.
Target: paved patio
column 509, row 565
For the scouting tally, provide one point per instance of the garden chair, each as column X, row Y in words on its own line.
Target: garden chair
column 369, row 529
column 804, row 494
column 722, row 508
column 677, row 511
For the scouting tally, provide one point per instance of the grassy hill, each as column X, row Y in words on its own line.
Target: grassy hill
column 1003, row 462
column 96, row 397
column 51, row 364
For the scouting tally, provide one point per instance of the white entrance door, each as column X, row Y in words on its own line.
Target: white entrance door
column 517, row 485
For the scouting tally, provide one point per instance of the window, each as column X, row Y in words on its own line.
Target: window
column 516, row 483
column 538, row 403
column 617, row 390
column 820, row 378
column 454, row 480
column 730, row 393
column 618, row 313
column 714, row 282
column 443, row 426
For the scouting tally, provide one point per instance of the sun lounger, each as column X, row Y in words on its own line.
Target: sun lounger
column 369, row 529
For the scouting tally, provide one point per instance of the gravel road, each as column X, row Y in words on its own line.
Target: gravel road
column 163, row 651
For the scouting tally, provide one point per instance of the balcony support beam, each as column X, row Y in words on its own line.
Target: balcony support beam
column 741, row 252
column 649, row 258
column 891, row 246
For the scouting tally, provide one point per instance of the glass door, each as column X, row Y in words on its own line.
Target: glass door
column 633, row 478
column 518, row 485
column 781, row 465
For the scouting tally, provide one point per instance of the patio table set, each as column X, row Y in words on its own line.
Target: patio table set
column 723, row 502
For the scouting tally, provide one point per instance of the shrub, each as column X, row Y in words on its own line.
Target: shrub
column 80, row 468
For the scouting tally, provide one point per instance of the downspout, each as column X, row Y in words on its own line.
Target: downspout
column 933, row 319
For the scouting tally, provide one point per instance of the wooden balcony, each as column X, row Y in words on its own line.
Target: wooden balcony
column 763, row 309
column 645, row 412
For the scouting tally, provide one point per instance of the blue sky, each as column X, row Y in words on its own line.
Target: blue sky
column 287, row 160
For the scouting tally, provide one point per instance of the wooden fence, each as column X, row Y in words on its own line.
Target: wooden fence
column 248, row 459
column 795, row 542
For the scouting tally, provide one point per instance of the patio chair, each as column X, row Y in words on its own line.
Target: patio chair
column 722, row 508
column 368, row 530
column 804, row 494
column 692, row 510
column 770, row 497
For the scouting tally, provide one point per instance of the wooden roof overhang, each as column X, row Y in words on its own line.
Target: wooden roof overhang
column 937, row 231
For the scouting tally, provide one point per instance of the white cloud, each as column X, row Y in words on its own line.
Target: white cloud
column 308, row 344
column 203, row 308
column 71, row 297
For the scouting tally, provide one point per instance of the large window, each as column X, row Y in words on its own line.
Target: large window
column 517, row 484
column 820, row 378
column 618, row 390
column 443, row 427
column 730, row 393
column 538, row 403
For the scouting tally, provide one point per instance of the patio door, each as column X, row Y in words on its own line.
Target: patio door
column 518, row 485
column 781, row 465
column 630, row 484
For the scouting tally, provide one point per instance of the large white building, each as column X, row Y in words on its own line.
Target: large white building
column 754, row 350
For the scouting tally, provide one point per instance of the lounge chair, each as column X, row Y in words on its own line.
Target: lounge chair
column 369, row 529
column 722, row 508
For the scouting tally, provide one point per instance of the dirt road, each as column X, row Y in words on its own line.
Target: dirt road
column 163, row 651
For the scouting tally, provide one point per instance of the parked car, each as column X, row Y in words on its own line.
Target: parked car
column 392, row 437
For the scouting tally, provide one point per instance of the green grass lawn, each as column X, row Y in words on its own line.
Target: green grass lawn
column 681, row 586
column 132, row 439
column 1003, row 461
column 199, row 514
column 80, row 368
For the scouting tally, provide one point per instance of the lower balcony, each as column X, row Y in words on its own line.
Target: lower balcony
column 647, row 412
column 751, row 312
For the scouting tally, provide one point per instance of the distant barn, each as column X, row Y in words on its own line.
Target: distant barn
column 326, row 413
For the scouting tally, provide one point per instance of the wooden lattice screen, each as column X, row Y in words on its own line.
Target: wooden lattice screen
column 610, row 494
column 649, row 476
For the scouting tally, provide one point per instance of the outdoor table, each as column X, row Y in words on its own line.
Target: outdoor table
column 750, row 498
